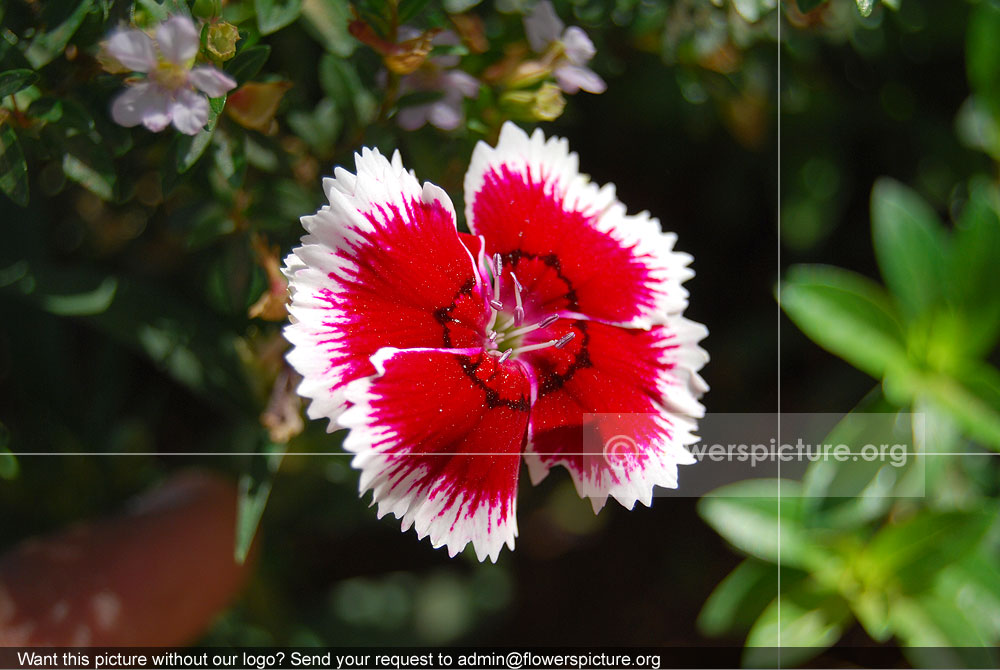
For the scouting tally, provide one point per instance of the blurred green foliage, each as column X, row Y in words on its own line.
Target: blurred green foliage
column 911, row 553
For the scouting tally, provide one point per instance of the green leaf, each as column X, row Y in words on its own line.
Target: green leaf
column 982, row 55
column 459, row 6
column 341, row 83
column 9, row 468
column 974, row 585
column 254, row 491
column 851, row 493
column 410, row 8
column 13, row 81
column 936, row 633
column 747, row 515
column 328, row 21
column 973, row 280
column 806, row 6
column 247, row 63
column 910, row 246
column 229, row 159
column 91, row 167
column 84, row 303
column 739, row 599
column 911, row 553
column 69, row 115
column 147, row 13
column 189, row 148
column 846, row 314
column 13, row 167
column 798, row 625
column 972, row 406
column 976, row 126
column 273, row 15
column 418, row 98
column 46, row 46
column 866, row 7
column 183, row 339
column 319, row 128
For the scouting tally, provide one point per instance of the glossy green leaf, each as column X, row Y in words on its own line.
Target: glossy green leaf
column 912, row 552
column 319, row 128
column 92, row 168
column 273, row 15
column 69, row 115
column 46, row 46
column 846, row 314
column 747, row 515
column 795, row 627
column 157, row 12
column 189, row 148
column 13, row 167
column 328, row 21
column 9, row 467
column 974, row 282
column 410, row 8
column 739, row 599
column 974, row 585
column 245, row 65
column 341, row 83
column 13, row 81
column 936, row 632
column 254, row 492
column 972, row 406
column 910, row 245
column 83, row 303
column 850, row 493
column 808, row 5
column 982, row 55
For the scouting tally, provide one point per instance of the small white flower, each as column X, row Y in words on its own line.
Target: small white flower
column 573, row 49
column 437, row 74
column 172, row 91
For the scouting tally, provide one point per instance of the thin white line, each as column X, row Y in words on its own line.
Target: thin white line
column 778, row 208
column 706, row 459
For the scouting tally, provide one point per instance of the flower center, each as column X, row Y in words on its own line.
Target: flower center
column 169, row 75
column 506, row 328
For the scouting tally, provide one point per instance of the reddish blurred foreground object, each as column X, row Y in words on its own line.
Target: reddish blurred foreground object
column 154, row 576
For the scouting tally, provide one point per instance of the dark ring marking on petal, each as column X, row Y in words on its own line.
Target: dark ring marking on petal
column 552, row 261
column 443, row 314
column 470, row 365
column 553, row 381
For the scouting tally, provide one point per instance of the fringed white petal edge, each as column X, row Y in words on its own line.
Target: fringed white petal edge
column 678, row 409
column 315, row 329
column 416, row 506
column 552, row 160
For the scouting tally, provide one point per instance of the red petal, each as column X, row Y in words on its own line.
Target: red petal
column 611, row 388
column 383, row 266
column 568, row 240
column 438, row 436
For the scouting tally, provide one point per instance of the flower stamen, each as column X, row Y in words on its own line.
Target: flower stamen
column 544, row 323
column 519, row 310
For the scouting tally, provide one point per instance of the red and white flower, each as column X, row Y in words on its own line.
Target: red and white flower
column 449, row 356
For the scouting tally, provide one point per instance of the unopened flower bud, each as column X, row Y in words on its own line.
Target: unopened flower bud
column 222, row 39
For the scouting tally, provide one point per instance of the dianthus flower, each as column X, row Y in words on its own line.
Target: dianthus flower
column 449, row 356
column 170, row 91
